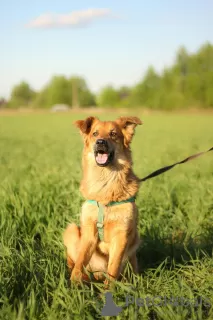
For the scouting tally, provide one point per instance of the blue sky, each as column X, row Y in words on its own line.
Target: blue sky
column 116, row 45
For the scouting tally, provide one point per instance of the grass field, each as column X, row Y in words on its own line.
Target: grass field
column 40, row 172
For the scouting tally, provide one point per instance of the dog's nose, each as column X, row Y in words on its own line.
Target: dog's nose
column 101, row 142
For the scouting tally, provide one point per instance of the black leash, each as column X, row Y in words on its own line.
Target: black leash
column 164, row 169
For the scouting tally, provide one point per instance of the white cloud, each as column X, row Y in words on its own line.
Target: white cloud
column 73, row 19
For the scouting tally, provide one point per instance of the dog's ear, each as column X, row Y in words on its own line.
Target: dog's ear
column 85, row 125
column 128, row 125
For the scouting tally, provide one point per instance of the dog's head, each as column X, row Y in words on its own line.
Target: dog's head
column 106, row 141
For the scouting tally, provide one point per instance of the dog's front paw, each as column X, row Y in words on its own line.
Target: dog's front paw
column 109, row 284
column 78, row 276
column 106, row 284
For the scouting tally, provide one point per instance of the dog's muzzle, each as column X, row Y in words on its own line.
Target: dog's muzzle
column 103, row 156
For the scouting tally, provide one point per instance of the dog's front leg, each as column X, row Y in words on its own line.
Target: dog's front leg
column 116, row 254
column 87, row 247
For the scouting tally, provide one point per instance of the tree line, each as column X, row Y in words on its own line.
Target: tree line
column 187, row 83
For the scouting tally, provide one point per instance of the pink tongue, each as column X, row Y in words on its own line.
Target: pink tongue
column 101, row 158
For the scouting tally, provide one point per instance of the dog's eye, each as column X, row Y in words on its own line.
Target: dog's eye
column 113, row 134
column 95, row 134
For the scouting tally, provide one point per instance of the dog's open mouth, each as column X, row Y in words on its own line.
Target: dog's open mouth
column 103, row 158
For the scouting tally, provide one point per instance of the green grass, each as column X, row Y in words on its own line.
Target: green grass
column 40, row 172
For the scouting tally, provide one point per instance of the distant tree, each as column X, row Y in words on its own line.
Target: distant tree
column 124, row 92
column 204, row 59
column 187, row 82
column 86, row 98
column 108, row 97
column 144, row 93
column 41, row 99
column 58, row 91
column 182, row 66
column 3, row 102
column 81, row 95
column 61, row 90
column 21, row 96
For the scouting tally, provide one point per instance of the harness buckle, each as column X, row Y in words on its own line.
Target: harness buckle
column 99, row 224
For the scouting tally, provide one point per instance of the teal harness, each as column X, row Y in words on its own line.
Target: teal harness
column 100, row 221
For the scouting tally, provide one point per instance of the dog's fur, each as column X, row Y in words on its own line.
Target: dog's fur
column 113, row 182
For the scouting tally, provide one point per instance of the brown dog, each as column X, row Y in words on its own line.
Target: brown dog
column 110, row 187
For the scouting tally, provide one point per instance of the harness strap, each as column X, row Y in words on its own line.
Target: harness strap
column 100, row 221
